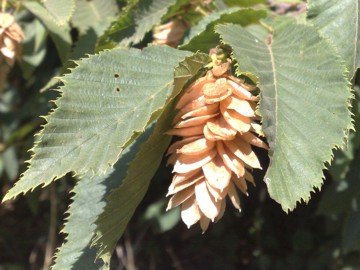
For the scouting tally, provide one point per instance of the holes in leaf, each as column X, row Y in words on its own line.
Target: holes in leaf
column 116, row 76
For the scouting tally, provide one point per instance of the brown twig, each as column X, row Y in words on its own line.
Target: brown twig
column 129, row 251
column 120, row 253
column 51, row 242
column 125, row 253
column 3, row 5
column 176, row 261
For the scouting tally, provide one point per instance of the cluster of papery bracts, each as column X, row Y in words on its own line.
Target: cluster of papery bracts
column 170, row 33
column 11, row 37
column 217, row 125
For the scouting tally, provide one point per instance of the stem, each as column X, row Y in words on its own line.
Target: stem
column 14, row 4
column 266, row 27
column 201, row 11
column 50, row 244
column 120, row 253
column 176, row 261
column 3, row 5
column 129, row 251
column 4, row 70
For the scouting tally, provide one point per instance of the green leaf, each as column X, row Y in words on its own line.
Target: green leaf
column 341, row 24
column 59, row 34
column 90, row 13
column 131, row 26
column 304, row 103
column 338, row 196
column 165, row 221
column 34, row 47
column 87, row 42
column 344, row 157
column 350, row 231
column 123, row 201
column 243, row 3
column 86, row 206
column 220, row 5
column 203, row 37
column 178, row 8
column 224, row 4
column 1, row 164
column 106, row 102
column 88, row 203
column 184, row 10
column 11, row 163
column 60, row 10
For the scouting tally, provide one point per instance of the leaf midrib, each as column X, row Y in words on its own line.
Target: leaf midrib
column 272, row 61
column 94, row 10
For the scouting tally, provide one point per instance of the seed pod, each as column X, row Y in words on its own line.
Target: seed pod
column 216, row 120
column 11, row 37
column 170, row 33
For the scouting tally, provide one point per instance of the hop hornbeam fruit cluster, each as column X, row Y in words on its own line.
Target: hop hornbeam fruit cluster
column 11, row 37
column 170, row 33
column 214, row 158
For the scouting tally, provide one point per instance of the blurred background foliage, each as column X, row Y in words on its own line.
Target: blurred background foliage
column 323, row 234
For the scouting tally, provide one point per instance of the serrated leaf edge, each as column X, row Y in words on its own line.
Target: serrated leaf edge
column 172, row 97
column 38, row 135
column 61, row 23
column 330, row 155
column 309, row 22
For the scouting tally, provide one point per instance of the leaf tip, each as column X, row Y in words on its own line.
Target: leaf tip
column 10, row 195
